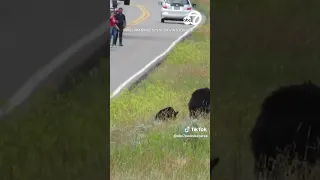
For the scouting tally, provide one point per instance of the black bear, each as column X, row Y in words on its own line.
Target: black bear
column 166, row 114
column 199, row 103
column 288, row 125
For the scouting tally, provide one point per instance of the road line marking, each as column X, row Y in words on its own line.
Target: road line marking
column 28, row 87
column 145, row 14
column 39, row 76
column 124, row 84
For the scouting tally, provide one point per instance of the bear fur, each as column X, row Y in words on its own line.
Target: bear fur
column 199, row 103
column 288, row 124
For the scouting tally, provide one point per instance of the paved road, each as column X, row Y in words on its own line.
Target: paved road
column 33, row 32
column 141, row 48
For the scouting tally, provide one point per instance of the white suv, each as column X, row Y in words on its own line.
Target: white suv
column 175, row 9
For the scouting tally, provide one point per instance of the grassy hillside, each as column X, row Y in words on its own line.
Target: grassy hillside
column 257, row 46
column 142, row 149
column 60, row 135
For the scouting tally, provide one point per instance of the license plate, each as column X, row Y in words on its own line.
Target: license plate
column 176, row 8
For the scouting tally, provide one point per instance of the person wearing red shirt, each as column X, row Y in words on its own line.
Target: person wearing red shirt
column 113, row 29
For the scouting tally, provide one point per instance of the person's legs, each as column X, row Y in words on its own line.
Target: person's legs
column 111, row 35
column 115, row 34
column 120, row 36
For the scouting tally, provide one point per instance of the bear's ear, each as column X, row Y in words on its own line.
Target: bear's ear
column 214, row 162
column 176, row 113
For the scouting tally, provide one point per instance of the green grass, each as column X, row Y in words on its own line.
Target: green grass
column 257, row 46
column 60, row 136
column 142, row 149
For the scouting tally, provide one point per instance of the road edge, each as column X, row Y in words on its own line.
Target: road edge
column 77, row 58
column 74, row 57
column 143, row 73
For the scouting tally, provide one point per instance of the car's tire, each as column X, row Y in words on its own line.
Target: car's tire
column 162, row 20
column 114, row 3
column 127, row 2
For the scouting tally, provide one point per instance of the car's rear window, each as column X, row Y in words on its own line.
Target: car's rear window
column 184, row 2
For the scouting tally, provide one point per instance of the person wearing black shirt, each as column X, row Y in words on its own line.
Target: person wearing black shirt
column 121, row 24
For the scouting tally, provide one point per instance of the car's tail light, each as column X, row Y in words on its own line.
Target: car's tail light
column 189, row 9
column 164, row 7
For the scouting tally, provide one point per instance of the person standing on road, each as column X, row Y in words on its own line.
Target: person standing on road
column 121, row 24
column 113, row 29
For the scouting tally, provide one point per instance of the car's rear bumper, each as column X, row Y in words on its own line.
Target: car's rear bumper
column 173, row 16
